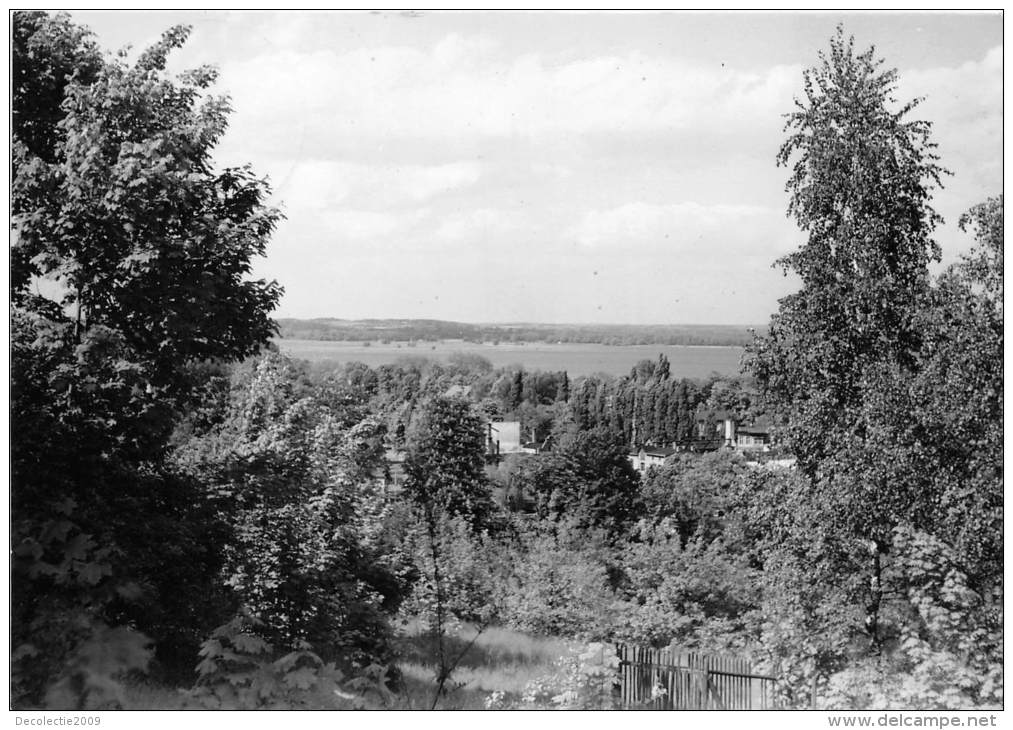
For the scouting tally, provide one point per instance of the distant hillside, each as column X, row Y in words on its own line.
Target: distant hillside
column 400, row 330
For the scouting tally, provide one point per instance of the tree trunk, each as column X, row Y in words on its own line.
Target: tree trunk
column 878, row 549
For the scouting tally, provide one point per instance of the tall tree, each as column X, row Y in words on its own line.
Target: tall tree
column 447, row 484
column 516, row 394
column 855, row 362
column 860, row 183
column 445, row 463
column 147, row 249
column 861, row 178
column 563, row 388
column 661, row 431
column 663, row 369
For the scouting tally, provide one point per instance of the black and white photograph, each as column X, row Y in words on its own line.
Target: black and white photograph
column 411, row 360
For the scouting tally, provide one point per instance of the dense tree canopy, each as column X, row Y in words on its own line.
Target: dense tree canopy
column 861, row 177
column 135, row 227
column 294, row 486
column 130, row 257
column 48, row 53
column 588, row 479
column 890, row 389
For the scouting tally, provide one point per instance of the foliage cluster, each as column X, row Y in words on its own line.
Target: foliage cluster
column 889, row 387
column 144, row 249
column 149, row 504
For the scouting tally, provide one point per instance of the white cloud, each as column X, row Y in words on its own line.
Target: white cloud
column 455, row 49
column 551, row 171
column 456, row 149
column 369, row 225
column 475, row 225
column 974, row 84
column 421, row 183
column 461, row 86
column 323, row 184
column 689, row 229
column 964, row 105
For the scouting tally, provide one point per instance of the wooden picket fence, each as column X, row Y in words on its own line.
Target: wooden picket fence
column 666, row 679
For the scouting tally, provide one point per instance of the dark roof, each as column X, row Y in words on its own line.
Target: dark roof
column 698, row 445
column 754, row 430
column 658, row 451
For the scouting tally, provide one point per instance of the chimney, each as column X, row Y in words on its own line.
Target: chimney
column 729, row 431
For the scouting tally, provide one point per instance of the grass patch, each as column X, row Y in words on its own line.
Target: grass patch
column 499, row 659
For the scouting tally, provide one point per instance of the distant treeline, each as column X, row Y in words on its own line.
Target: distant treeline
column 399, row 330
column 648, row 406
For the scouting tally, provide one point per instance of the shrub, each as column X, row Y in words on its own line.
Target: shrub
column 93, row 673
column 560, row 587
column 465, row 566
column 699, row 596
column 293, row 484
column 239, row 670
column 948, row 653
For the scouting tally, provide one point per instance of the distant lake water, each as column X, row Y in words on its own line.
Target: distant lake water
column 576, row 358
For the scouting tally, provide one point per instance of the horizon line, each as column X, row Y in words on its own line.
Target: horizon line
column 520, row 322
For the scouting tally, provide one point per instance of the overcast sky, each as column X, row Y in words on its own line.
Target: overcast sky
column 554, row 167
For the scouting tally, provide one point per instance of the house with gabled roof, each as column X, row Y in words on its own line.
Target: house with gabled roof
column 753, row 438
column 649, row 456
